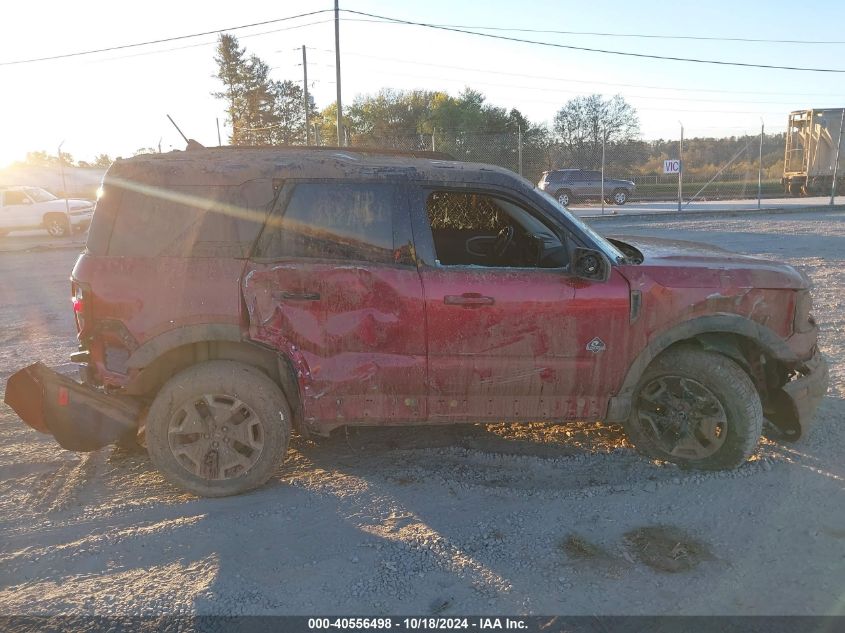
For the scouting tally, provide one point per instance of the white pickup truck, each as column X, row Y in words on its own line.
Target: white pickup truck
column 26, row 208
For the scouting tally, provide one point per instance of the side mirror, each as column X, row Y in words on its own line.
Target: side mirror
column 27, row 201
column 590, row 264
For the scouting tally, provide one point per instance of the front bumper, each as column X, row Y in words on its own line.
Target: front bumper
column 797, row 400
column 80, row 417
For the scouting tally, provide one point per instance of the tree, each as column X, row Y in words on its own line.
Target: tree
column 289, row 113
column 231, row 71
column 261, row 111
column 102, row 161
column 581, row 123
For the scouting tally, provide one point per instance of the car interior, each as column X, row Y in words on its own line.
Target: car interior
column 479, row 229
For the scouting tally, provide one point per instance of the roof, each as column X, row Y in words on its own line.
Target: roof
column 235, row 165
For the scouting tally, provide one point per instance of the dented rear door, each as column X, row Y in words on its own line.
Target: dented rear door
column 333, row 285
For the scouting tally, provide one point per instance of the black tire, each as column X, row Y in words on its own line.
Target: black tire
column 713, row 379
column 56, row 224
column 565, row 197
column 251, row 396
column 620, row 197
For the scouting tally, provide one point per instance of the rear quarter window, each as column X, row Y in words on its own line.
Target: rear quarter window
column 183, row 220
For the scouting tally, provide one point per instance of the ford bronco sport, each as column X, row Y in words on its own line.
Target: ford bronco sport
column 227, row 297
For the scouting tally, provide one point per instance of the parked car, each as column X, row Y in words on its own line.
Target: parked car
column 568, row 185
column 26, row 208
column 227, row 297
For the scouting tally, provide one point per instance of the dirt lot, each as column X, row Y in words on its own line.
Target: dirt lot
column 531, row 520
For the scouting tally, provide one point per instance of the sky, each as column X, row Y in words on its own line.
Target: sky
column 116, row 102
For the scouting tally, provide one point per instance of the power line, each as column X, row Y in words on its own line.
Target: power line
column 214, row 43
column 643, row 35
column 578, row 81
column 592, row 50
column 159, row 41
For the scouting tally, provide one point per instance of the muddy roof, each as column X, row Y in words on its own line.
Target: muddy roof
column 235, row 165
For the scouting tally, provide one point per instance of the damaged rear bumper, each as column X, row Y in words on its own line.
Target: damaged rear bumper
column 80, row 417
column 796, row 403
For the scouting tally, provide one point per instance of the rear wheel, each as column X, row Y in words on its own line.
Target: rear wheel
column 564, row 197
column 56, row 225
column 219, row 428
column 696, row 408
column 620, row 197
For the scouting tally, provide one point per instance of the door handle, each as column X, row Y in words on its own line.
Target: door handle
column 468, row 300
column 286, row 295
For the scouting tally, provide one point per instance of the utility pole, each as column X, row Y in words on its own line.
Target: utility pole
column 340, row 138
column 219, row 142
column 681, row 170
column 836, row 164
column 64, row 184
column 305, row 95
column 760, row 165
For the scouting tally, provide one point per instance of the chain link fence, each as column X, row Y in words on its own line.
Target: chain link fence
column 743, row 167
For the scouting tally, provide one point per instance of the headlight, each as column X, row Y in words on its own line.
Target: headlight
column 803, row 321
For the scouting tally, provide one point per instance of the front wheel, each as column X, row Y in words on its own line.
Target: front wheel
column 219, row 428
column 696, row 408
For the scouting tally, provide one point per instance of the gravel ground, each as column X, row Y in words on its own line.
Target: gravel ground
column 532, row 519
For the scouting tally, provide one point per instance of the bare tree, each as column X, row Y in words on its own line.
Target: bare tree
column 580, row 124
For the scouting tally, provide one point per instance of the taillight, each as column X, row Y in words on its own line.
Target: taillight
column 79, row 300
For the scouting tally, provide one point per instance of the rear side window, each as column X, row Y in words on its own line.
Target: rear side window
column 187, row 221
column 346, row 221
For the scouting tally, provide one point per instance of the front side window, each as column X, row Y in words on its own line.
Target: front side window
column 472, row 228
column 13, row 197
column 39, row 195
column 346, row 221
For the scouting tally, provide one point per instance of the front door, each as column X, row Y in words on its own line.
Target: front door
column 507, row 334
column 333, row 285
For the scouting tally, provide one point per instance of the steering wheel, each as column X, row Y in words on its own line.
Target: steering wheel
column 503, row 240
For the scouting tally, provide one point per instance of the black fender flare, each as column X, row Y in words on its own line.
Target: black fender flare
column 619, row 407
column 177, row 337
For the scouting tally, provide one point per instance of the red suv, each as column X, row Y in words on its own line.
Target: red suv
column 229, row 296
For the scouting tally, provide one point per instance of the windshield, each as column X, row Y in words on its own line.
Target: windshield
column 39, row 195
column 607, row 248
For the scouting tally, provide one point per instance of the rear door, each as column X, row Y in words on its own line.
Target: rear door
column 334, row 285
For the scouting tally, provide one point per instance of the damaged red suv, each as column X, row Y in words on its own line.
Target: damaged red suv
column 227, row 297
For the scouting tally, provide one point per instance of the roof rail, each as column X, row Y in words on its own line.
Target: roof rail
column 375, row 151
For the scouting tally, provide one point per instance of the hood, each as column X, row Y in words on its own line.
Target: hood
column 679, row 263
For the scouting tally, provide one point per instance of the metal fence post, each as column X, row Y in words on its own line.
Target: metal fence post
column 519, row 146
column 681, row 168
column 603, row 141
column 760, row 166
column 433, row 132
column 836, row 164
